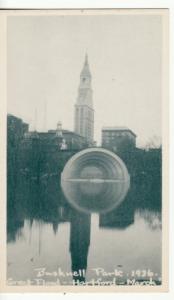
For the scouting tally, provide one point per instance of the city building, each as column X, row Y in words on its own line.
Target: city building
column 118, row 139
column 84, row 112
column 16, row 130
column 16, row 127
column 52, row 141
column 69, row 138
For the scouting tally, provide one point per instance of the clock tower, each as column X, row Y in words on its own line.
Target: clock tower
column 84, row 112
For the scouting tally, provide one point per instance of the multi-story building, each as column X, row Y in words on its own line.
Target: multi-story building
column 118, row 139
column 72, row 140
column 84, row 112
column 50, row 141
column 16, row 127
column 16, row 130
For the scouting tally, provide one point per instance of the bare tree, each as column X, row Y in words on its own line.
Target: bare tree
column 154, row 143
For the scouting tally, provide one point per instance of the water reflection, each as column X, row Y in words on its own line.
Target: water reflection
column 44, row 202
column 79, row 243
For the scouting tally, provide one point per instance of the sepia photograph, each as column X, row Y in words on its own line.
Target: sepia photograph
column 86, row 108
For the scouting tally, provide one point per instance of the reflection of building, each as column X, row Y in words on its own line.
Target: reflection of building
column 118, row 139
column 123, row 215
column 119, row 218
column 84, row 113
column 79, row 243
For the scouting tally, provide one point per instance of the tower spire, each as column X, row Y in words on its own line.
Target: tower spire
column 86, row 58
column 86, row 71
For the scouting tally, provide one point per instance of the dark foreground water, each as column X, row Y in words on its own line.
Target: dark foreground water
column 49, row 242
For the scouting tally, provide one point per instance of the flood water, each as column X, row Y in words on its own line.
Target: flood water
column 50, row 242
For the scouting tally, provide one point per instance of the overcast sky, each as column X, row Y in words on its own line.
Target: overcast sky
column 46, row 55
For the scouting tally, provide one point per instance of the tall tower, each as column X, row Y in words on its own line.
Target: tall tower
column 84, row 112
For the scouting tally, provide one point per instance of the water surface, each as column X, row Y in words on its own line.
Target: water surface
column 50, row 242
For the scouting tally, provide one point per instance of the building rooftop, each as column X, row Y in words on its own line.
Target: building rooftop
column 65, row 131
column 118, row 128
column 13, row 117
column 51, row 132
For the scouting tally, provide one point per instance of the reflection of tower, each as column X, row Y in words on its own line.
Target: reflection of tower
column 122, row 216
column 84, row 113
column 79, row 243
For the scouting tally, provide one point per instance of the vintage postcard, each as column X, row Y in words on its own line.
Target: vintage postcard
column 84, row 150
